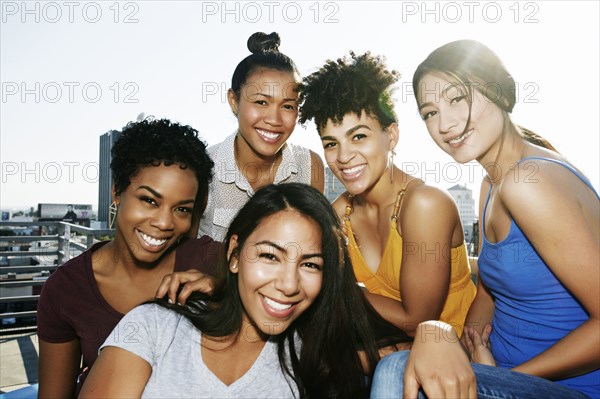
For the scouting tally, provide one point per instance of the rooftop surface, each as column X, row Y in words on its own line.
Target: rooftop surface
column 18, row 362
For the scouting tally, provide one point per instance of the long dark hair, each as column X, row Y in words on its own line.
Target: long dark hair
column 470, row 64
column 339, row 323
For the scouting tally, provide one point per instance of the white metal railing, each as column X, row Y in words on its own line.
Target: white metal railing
column 26, row 261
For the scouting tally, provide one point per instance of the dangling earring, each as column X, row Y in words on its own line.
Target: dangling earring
column 112, row 214
column 391, row 165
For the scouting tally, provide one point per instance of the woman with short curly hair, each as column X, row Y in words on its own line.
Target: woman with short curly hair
column 161, row 170
column 405, row 238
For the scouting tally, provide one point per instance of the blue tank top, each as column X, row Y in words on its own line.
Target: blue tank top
column 533, row 309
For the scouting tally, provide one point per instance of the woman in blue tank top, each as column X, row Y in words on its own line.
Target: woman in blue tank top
column 537, row 309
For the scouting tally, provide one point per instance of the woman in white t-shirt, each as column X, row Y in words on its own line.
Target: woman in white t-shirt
column 286, row 318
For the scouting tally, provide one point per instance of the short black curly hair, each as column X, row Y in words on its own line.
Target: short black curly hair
column 155, row 142
column 361, row 83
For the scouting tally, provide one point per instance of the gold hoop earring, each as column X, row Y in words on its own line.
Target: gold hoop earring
column 112, row 214
column 391, row 165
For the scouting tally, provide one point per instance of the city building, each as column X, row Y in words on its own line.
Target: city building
column 333, row 187
column 466, row 209
column 105, row 179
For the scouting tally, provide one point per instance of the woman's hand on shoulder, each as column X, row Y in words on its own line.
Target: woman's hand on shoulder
column 438, row 364
column 192, row 281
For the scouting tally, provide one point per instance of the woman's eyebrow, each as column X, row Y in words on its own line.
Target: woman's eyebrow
column 284, row 250
column 159, row 195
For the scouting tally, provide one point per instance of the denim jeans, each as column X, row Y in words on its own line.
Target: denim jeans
column 492, row 382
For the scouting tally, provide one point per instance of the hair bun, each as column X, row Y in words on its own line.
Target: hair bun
column 261, row 41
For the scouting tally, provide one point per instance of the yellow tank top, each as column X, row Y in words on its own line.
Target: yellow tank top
column 386, row 280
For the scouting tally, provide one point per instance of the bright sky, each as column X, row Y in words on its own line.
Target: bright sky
column 72, row 70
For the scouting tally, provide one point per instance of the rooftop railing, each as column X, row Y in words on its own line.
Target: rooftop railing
column 26, row 261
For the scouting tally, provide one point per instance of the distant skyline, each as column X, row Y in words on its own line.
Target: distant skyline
column 71, row 71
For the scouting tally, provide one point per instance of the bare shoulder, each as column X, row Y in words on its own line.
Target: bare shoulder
column 429, row 212
column 423, row 197
column 537, row 180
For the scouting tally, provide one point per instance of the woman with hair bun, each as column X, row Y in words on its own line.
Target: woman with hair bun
column 264, row 99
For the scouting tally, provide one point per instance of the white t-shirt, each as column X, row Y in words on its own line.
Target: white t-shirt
column 170, row 343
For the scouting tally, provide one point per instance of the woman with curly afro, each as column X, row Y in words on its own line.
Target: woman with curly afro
column 160, row 171
column 405, row 238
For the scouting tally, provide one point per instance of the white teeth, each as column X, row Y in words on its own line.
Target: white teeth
column 353, row 170
column 461, row 137
column 277, row 305
column 151, row 240
column 268, row 135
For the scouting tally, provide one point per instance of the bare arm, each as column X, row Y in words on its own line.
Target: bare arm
column 428, row 221
column 317, row 179
column 563, row 226
column 481, row 312
column 58, row 368
column 117, row 373
column 438, row 364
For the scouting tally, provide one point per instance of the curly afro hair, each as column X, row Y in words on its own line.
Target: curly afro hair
column 359, row 84
column 155, row 142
